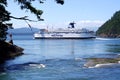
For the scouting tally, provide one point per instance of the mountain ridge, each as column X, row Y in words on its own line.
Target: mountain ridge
column 23, row 30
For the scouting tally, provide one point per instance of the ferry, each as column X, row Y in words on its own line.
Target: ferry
column 68, row 33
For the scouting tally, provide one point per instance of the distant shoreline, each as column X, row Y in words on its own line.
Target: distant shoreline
column 22, row 33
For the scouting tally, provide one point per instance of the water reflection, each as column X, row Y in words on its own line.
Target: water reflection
column 114, row 48
column 2, row 69
column 72, row 49
column 5, row 76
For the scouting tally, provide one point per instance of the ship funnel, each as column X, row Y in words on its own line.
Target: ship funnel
column 72, row 24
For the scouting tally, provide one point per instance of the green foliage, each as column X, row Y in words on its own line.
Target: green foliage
column 60, row 1
column 111, row 28
column 4, row 16
column 27, row 4
column 3, row 31
column 3, row 2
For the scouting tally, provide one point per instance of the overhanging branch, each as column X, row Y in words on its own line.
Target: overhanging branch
column 25, row 18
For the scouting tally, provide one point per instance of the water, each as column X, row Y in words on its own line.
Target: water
column 61, row 59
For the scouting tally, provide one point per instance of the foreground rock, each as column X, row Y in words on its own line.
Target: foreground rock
column 102, row 62
column 9, row 51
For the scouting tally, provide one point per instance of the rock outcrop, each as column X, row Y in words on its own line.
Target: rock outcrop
column 99, row 62
column 9, row 51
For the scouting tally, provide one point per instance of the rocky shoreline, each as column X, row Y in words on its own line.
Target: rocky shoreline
column 9, row 51
column 102, row 62
column 103, row 35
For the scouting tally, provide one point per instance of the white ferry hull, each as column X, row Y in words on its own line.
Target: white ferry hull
column 63, row 36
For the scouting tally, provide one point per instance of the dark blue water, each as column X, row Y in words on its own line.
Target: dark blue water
column 61, row 59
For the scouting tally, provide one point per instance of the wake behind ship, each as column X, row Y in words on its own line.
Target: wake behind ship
column 68, row 33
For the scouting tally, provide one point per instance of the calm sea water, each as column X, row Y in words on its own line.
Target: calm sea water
column 61, row 59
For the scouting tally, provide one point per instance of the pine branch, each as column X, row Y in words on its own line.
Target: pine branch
column 25, row 18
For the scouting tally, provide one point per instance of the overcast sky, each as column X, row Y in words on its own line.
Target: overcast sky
column 85, row 13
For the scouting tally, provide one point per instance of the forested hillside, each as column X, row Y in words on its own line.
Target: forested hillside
column 110, row 28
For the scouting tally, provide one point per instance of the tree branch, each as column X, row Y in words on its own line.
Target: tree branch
column 25, row 18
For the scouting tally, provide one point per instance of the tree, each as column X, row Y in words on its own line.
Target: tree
column 24, row 4
column 111, row 28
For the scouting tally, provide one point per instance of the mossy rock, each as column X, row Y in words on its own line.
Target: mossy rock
column 94, row 61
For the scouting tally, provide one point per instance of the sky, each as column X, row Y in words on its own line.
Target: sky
column 89, row 14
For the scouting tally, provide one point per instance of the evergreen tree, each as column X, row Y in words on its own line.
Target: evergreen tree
column 110, row 28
